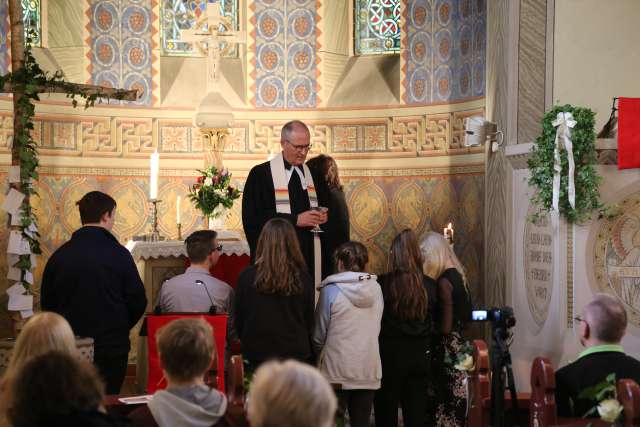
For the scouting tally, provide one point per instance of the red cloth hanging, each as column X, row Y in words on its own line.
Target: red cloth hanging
column 628, row 133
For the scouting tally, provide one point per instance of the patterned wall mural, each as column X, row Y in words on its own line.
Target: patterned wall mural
column 284, row 42
column 444, row 50
column 121, row 37
column 5, row 48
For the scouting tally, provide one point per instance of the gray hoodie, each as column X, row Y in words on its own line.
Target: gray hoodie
column 191, row 406
column 347, row 325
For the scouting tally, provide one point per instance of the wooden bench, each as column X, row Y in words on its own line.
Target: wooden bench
column 539, row 406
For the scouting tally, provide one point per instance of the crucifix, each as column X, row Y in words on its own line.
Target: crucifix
column 213, row 116
column 219, row 30
column 25, row 83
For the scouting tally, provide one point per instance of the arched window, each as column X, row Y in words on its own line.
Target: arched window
column 377, row 26
column 178, row 15
column 31, row 18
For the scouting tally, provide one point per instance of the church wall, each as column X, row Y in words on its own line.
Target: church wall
column 401, row 165
column 596, row 54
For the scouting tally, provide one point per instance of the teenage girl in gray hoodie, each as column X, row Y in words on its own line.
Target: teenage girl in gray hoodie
column 347, row 325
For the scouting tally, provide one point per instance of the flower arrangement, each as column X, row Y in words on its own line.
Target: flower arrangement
column 463, row 360
column 213, row 193
column 608, row 407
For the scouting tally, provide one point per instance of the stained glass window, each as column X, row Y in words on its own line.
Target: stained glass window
column 178, row 15
column 31, row 18
column 377, row 26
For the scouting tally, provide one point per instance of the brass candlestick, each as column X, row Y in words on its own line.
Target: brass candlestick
column 179, row 231
column 155, row 233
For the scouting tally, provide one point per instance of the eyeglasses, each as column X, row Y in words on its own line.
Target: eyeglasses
column 579, row 319
column 218, row 248
column 299, row 148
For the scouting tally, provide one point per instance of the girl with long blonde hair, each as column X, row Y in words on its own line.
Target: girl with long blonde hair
column 407, row 326
column 274, row 299
column 43, row 332
column 454, row 300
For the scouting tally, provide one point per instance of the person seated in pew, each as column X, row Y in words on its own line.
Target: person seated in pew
column 187, row 350
column 290, row 394
column 59, row 389
column 601, row 326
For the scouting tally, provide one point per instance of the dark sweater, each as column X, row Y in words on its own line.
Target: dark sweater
column 271, row 325
column 393, row 327
column 336, row 229
column 93, row 282
column 588, row 371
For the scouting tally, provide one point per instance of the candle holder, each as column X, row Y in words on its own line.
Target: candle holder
column 155, row 233
column 179, row 231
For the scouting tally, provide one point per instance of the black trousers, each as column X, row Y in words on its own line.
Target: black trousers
column 358, row 403
column 112, row 366
column 405, row 377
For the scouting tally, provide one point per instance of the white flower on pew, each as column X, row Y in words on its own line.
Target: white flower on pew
column 609, row 410
column 465, row 364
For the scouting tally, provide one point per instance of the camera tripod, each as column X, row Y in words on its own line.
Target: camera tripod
column 500, row 370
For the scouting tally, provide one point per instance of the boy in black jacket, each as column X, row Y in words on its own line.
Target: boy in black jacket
column 93, row 282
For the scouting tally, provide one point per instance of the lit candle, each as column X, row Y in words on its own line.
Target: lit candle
column 178, row 199
column 448, row 232
column 155, row 170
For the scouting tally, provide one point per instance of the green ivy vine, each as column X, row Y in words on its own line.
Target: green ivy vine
column 29, row 81
column 585, row 177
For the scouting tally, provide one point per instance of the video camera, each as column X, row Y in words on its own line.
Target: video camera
column 499, row 317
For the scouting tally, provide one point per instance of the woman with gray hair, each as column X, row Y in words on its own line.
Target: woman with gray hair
column 290, row 394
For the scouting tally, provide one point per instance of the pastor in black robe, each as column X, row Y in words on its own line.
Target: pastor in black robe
column 259, row 206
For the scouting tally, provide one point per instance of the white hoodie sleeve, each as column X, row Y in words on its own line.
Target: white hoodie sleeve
column 328, row 295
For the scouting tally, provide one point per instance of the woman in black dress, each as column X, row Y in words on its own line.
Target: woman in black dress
column 274, row 301
column 336, row 229
column 407, row 325
column 449, row 385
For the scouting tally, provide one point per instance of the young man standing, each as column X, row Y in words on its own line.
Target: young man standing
column 93, row 282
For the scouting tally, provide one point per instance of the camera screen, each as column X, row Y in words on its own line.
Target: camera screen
column 479, row 315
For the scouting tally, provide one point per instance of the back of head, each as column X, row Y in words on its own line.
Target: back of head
column 290, row 394
column 404, row 288
column 279, row 260
column 200, row 244
column 607, row 318
column 327, row 168
column 353, row 256
column 54, row 388
column 186, row 348
column 437, row 255
column 43, row 332
column 94, row 205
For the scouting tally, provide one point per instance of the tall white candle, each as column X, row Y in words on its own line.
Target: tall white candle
column 178, row 200
column 155, row 170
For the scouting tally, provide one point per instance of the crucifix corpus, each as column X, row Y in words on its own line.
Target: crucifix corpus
column 25, row 83
column 213, row 116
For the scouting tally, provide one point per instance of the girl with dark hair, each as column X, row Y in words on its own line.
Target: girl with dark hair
column 275, row 298
column 346, row 333
column 336, row 229
column 407, row 324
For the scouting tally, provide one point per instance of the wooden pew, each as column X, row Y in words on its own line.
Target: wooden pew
column 543, row 409
column 236, row 394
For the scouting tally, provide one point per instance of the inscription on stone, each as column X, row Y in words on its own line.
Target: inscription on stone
column 538, row 267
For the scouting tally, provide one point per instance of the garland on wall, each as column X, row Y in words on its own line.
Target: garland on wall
column 26, row 83
column 562, row 165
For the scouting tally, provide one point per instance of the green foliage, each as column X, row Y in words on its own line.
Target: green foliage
column 28, row 81
column 599, row 392
column 584, row 153
column 213, row 189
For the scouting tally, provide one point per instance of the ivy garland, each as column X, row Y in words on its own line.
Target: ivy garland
column 30, row 80
column 586, row 178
